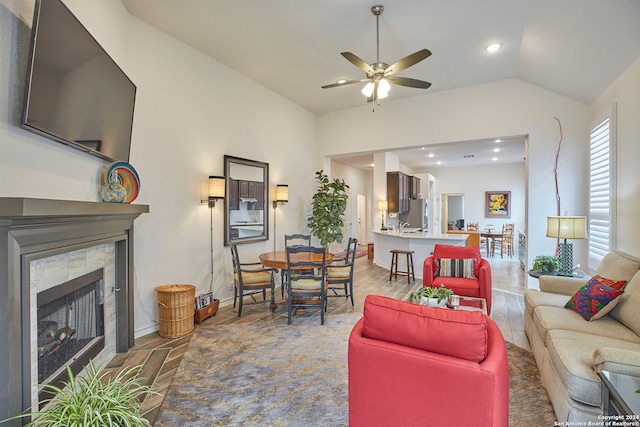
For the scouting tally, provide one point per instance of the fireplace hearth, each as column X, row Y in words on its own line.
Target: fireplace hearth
column 45, row 243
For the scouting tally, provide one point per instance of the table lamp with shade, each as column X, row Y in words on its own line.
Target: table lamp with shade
column 566, row 227
column 382, row 206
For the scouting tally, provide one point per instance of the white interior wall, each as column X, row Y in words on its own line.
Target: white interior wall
column 499, row 109
column 169, row 104
column 475, row 181
column 190, row 112
column 625, row 92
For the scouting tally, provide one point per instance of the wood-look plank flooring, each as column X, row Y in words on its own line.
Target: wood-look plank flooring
column 161, row 357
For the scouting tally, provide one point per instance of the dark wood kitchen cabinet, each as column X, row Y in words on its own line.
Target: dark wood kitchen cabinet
column 414, row 187
column 234, row 195
column 398, row 188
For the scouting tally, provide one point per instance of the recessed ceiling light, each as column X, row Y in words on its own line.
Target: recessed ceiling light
column 498, row 140
column 496, row 150
column 493, row 47
column 431, row 154
column 438, row 163
column 494, row 159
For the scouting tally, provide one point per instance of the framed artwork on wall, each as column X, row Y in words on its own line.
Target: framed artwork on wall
column 498, row 204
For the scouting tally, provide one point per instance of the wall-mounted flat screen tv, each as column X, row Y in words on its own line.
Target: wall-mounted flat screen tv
column 76, row 94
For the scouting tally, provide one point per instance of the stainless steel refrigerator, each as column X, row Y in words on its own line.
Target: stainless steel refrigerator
column 417, row 216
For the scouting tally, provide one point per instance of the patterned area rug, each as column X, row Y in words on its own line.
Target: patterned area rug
column 271, row 374
column 361, row 253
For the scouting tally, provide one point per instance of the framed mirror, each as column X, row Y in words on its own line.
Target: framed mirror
column 246, row 203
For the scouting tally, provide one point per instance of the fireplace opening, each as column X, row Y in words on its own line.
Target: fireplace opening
column 70, row 328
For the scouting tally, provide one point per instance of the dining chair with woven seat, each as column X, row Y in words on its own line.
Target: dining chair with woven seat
column 340, row 273
column 250, row 279
column 292, row 240
column 306, row 284
column 504, row 242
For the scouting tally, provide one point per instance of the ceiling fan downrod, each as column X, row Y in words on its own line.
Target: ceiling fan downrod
column 377, row 11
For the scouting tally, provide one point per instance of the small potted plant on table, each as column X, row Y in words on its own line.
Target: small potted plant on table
column 433, row 296
column 545, row 264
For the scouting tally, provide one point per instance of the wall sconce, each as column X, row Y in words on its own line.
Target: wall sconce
column 216, row 190
column 566, row 227
column 282, row 197
column 383, row 206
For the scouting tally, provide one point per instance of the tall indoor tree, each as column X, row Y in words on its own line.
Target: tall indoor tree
column 329, row 205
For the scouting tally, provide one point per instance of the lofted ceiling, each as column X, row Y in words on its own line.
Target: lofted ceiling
column 572, row 47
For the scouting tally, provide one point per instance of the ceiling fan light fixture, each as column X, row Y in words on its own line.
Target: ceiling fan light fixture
column 367, row 90
column 377, row 73
column 383, row 87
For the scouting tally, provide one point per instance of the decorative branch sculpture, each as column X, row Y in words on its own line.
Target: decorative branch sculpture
column 555, row 176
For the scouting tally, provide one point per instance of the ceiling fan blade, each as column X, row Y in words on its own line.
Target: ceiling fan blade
column 350, row 82
column 405, row 81
column 357, row 62
column 407, row 61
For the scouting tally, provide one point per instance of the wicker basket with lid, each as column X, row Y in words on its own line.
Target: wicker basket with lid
column 176, row 306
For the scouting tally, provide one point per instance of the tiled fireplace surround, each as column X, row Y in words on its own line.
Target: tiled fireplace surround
column 44, row 243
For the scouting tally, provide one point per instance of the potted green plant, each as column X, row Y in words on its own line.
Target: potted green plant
column 434, row 296
column 328, row 207
column 545, row 264
column 93, row 400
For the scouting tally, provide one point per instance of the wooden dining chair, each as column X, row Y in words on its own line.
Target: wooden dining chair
column 504, row 241
column 340, row 273
column 308, row 289
column 250, row 279
column 291, row 240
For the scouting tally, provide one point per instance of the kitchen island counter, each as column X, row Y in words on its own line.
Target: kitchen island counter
column 419, row 242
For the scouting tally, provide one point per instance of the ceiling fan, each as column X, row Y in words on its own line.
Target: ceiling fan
column 379, row 74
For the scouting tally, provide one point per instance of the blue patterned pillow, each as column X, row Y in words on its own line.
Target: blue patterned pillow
column 452, row 267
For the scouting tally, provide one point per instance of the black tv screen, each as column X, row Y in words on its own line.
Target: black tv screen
column 76, row 94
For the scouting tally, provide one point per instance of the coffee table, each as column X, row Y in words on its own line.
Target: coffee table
column 619, row 397
column 472, row 304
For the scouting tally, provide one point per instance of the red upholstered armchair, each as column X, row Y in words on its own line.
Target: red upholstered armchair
column 413, row 365
column 476, row 285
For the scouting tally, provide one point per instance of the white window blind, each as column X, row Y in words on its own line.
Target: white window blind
column 601, row 186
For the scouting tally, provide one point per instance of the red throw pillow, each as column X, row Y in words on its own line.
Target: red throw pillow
column 596, row 297
column 461, row 334
column 459, row 252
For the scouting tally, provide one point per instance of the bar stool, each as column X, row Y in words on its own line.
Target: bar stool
column 394, row 273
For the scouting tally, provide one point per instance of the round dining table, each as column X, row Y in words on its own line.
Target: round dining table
column 278, row 259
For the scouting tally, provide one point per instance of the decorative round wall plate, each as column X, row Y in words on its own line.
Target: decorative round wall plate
column 127, row 176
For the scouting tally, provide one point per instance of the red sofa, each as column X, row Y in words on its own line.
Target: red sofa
column 479, row 287
column 412, row 365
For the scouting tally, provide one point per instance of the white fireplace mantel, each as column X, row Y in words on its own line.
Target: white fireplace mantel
column 35, row 228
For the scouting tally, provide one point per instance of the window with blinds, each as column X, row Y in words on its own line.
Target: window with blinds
column 601, row 186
